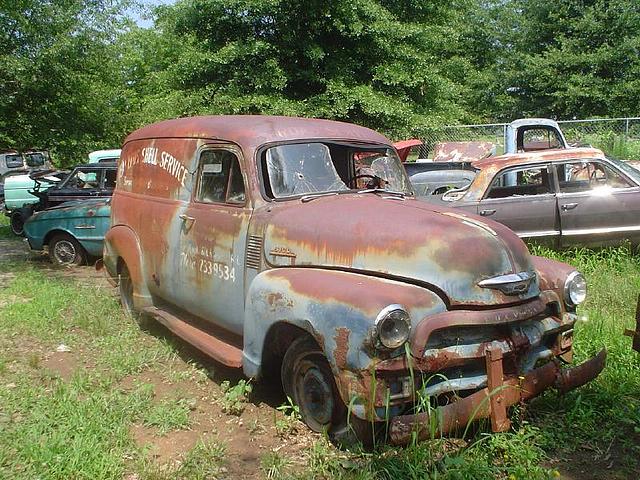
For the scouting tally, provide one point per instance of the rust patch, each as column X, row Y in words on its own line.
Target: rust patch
column 277, row 300
column 342, row 346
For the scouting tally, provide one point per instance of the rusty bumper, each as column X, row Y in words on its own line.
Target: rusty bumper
column 493, row 401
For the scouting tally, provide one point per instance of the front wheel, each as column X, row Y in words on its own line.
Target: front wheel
column 307, row 379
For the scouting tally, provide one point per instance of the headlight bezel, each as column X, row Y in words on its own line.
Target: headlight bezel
column 573, row 279
column 388, row 314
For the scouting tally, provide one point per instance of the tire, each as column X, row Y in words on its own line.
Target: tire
column 308, row 380
column 64, row 250
column 17, row 222
column 125, row 287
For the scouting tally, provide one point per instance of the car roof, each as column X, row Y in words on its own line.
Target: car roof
column 556, row 155
column 251, row 131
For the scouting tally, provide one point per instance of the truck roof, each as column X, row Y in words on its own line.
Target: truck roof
column 251, row 131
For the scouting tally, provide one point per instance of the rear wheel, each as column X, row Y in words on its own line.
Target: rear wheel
column 125, row 286
column 308, row 380
column 65, row 250
column 17, row 222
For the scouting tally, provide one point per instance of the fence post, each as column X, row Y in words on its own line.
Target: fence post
column 626, row 129
column 504, row 137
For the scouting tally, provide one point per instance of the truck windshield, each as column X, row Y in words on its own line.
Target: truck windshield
column 320, row 167
column 36, row 159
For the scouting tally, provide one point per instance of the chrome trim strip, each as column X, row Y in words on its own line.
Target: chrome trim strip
column 511, row 283
column 543, row 233
column 590, row 231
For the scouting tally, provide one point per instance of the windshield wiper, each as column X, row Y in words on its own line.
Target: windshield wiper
column 312, row 196
column 383, row 191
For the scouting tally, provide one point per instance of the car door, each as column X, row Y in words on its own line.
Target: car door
column 212, row 240
column 598, row 203
column 523, row 198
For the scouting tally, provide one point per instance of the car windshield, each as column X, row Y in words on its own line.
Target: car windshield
column 82, row 179
column 626, row 168
column 323, row 167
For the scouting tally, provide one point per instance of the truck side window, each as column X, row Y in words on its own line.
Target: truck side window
column 220, row 179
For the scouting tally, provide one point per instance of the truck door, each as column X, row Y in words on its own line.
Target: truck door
column 213, row 234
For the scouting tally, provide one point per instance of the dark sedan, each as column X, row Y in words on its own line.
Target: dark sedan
column 558, row 197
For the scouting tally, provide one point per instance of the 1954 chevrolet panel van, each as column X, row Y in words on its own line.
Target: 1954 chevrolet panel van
column 294, row 247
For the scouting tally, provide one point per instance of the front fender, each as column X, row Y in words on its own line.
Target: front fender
column 121, row 242
column 337, row 308
column 552, row 275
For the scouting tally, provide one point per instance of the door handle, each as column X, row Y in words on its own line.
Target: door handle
column 568, row 206
column 186, row 218
column 486, row 213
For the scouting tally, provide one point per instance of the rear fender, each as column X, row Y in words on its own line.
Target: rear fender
column 121, row 245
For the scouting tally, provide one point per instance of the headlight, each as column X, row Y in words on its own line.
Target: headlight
column 575, row 289
column 393, row 325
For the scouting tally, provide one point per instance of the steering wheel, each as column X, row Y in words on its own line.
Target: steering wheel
column 380, row 180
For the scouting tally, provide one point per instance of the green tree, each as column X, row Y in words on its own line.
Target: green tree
column 390, row 65
column 60, row 80
column 562, row 58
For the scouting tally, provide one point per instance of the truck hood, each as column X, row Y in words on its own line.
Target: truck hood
column 440, row 248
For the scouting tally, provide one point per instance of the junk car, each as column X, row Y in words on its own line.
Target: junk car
column 576, row 196
column 72, row 232
column 41, row 190
column 294, row 249
column 14, row 161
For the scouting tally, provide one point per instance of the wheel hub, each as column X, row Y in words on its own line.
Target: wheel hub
column 316, row 396
column 64, row 251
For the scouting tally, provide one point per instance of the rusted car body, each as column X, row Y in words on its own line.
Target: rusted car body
column 635, row 334
column 261, row 242
column 576, row 196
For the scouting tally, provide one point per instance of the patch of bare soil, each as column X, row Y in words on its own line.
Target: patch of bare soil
column 593, row 463
column 62, row 364
column 247, row 437
column 13, row 249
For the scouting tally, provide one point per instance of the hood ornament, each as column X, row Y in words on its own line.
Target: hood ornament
column 510, row 284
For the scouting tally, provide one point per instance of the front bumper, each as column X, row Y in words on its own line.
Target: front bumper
column 492, row 402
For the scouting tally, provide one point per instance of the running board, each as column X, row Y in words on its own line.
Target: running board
column 218, row 349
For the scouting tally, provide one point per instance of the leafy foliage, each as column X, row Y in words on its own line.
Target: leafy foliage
column 76, row 75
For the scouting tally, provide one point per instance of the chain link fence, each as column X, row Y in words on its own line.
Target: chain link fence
column 617, row 137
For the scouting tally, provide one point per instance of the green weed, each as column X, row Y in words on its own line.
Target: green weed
column 290, row 421
column 235, row 397
column 274, row 465
column 168, row 415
